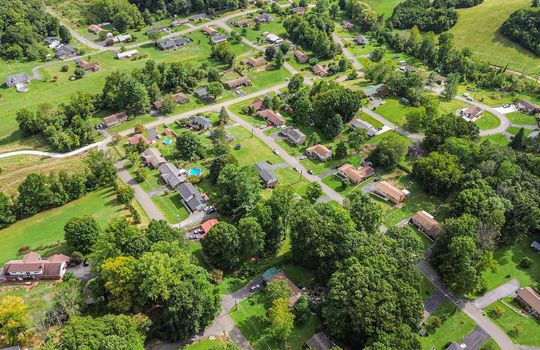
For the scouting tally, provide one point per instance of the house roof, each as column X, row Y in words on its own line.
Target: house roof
column 265, row 173
column 187, row 190
column 219, row 38
column 116, row 118
column 268, row 274
column 472, row 111
column 94, row 28
column 294, row 135
column 356, row 175
column 208, row 224
column 135, row 139
column 428, row 223
column 320, row 150
column 171, row 175
column 527, row 104
column 359, row 123
column 64, row 50
column 300, row 56
column 254, row 62
column 33, row 263
column 390, row 190
column 257, row 103
column 273, row 38
column 361, row 39
column 296, row 293
column 128, row 53
column 153, row 156
column 454, row 346
column 209, row 30
column 234, row 83
column 530, row 297
column 200, row 121
column 191, row 196
column 18, row 78
column 271, row 116
column 298, row 10
column 535, row 245
column 265, row 17
column 320, row 70
column 244, row 22
column 87, row 65
column 202, row 92
column 319, row 341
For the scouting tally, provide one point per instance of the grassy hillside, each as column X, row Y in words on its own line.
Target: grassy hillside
column 383, row 7
column 477, row 28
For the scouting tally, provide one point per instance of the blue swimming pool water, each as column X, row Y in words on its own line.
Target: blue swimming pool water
column 167, row 141
column 194, row 172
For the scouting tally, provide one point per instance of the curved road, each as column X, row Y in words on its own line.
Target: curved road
column 501, row 129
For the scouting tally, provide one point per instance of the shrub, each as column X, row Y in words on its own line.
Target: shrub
column 436, row 321
column 64, row 68
column 77, row 258
column 24, row 249
column 496, row 312
column 525, row 262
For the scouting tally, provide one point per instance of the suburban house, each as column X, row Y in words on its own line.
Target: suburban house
column 216, row 39
column 379, row 91
column 268, row 178
column 471, row 113
column 528, row 107
column 294, row 136
column 347, row 24
column 359, row 123
column 273, row 39
column 320, row 341
column 427, row 224
column 170, row 175
column 356, row 176
column 173, row 44
column 94, row 28
column 87, row 66
column 209, row 31
column 254, row 62
column 121, row 38
column 202, row 92
column 361, row 40
column 273, row 274
column 136, row 139
column 179, row 22
column 152, row 158
column 530, row 300
column 439, row 80
column 18, row 81
column 191, row 197
column 236, row 83
column 271, row 117
column 264, row 18
column 32, row 266
column 257, row 104
column 535, row 245
column 179, row 98
column 408, row 68
column 114, row 119
column 298, row 10
column 126, row 54
column 300, row 56
column 52, row 42
column 244, row 23
column 64, row 51
column 320, row 70
column 319, row 152
column 207, row 226
column 200, row 122
column 385, row 190
column 156, row 29
column 199, row 16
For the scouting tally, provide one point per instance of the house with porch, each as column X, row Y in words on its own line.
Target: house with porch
column 319, row 152
column 33, row 267
column 426, row 223
column 294, row 136
column 170, row 175
column 388, row 192
column 271, row 117
column 115, row 119
column 192, row 198
column 355, row 176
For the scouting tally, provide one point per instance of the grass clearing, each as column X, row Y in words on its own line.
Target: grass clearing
column 521, row 118
column 514, row 130
column 394, row 111
column 252, row 149
column 498, row 139
column 367, row 118
column 488, row 121
column 202, row 345
column 510, row 319
column 383, row 7
column 48, row 226
column 170, row 205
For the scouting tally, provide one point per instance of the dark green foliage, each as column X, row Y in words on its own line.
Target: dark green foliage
column 365, row 213
column 188, row 145
column 438, row 173
column 81, row 233
column 312, row 31
column 222, row 246
column 523, row 27
column 424, row 15
column 313, row 192
column 7, row 211
column 122, row 92
column 389, row 152
column 239, row 190
column 160, row 230
column 447, row 126
column 120, row 13
column 302, row 311
column 223, row 52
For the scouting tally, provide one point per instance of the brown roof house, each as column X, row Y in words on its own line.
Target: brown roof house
column 257, row 104
column 136, row 139
column 88, row 66
column 320, row 70
column 300, row 56
column 236, row 83
column 152, row 157
column 271, row 117
column 254, row 62
column 273, row 274
column 319, row 152
column 389, row 192
column 209, row 31
column 471, row 114
column 319, row 341
column 179, row 98
column 244, row 22
column 94, row 28
column 33, row 267
column 528, row 107
column 530, row 300
column 355, row 175
column 114, row 119
column 427, row 224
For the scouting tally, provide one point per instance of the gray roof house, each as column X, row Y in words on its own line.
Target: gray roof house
column 268, row 178
column 173, row 44
column 219, row 38
column 20, row 78
column 52, row 42
column 200, row 122
column 64, row 51
column 294, row 136
column 361, row 40
column 359, row 123
column 454, row 346
column 319, row 341
column 171, row 175
column 191, row 197
column 536, row 246
column 202, row 92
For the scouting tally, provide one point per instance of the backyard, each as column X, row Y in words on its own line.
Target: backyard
column 522, row 328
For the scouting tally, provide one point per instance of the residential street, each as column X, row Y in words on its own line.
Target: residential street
column 347, row 53
column 507, row 289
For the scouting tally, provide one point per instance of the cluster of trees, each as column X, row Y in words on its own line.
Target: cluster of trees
column 224, row 53
column 360, row 13
column 120, row 13
column 312, row 31
column 152, row 10
column 38, row 192
column 65, row 128
column 523, row 27
column 424, row 15
column 329, row 105
column 23, row 26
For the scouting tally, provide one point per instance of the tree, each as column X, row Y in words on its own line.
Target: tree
column 222, row 246
column 218, row 163
column 279, row 59
column 161, row 231
column 223, row 116
column 251, row 237
column 356, row 138
column 121, row 280
column 215, row 89
column 302, row 110
column 65, row 35
column 389, row 152
column 446, row 126
column 167, row 104
column 302, row 311
column 223, row 52
column 123, row 92
column 13, row 318
column 124, row 192
column 313, row 192
column 519, row 141
column 438, row 173
column 101, row 170
column 7, row 211
column 341, row 151
column 366, row 213
column 239, row 190
column 188, row 145
column 270, row 52
column 81, row 233
column 377, row 54
column 154, row 36
column 34, row 195
column 313, row 139
column 451, row 86
column 295, row 83
column 281, row 319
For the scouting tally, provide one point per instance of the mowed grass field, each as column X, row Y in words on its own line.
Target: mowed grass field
column 48, row 226
column 478, row 29
column 383, row 7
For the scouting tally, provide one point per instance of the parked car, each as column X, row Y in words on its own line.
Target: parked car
column 310, row 172
column 254, row 288
column 377, row 179
column 209, row 210
column 275, row 151
column 296, row 169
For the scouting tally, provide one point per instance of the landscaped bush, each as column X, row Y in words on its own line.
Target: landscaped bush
column 496, row 312
column 77, row 258
column 525, row 262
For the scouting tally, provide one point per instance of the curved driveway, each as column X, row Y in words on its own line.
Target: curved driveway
column 504, row 122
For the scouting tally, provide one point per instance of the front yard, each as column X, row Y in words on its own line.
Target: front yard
column 523, row 329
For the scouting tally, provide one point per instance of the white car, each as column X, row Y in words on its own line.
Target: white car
column 275, row 151
column 469, row 98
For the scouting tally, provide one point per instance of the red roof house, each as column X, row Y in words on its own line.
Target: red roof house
column 271, row 117
column 207, row 225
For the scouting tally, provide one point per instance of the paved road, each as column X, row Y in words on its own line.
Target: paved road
column 346, row 52
column 380, row 118
column 501, row 129
column 74, row 33
column 142, row 197
column 433, row 304
column 292, row 161
column 476, row 338
column 498, row 293
column 504, row 342
column 50, row 154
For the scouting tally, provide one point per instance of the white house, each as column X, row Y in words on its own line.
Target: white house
column 126, row 54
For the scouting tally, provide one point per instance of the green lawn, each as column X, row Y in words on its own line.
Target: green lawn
column 509, row 319
column 452, row 106
column 478, row 29
column 171, row 207
column 371, row 120
column 252, row 149
column 521, row 118
column 426, row 288
column 202, row 345
column 507, row 258
column 35, row 298
column 288, row 176
column 490, row 344
column 514, row 130
column 394, row 111
column 456, row 326
column 47, row 227
column 488, row 121
column 498, row 139
column 274, row 27
column 250, row 317
column 383, row 7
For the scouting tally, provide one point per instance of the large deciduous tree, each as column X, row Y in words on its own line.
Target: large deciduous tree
column 222, row 246
column 366, row 213
column 81, row 233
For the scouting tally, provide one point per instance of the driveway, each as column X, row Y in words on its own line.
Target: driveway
column 433, row 304
column 475, row 339
column 498, row 293
column 327, row 173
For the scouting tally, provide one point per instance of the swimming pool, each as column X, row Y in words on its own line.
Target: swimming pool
column 194, row 172
column 167, row 141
